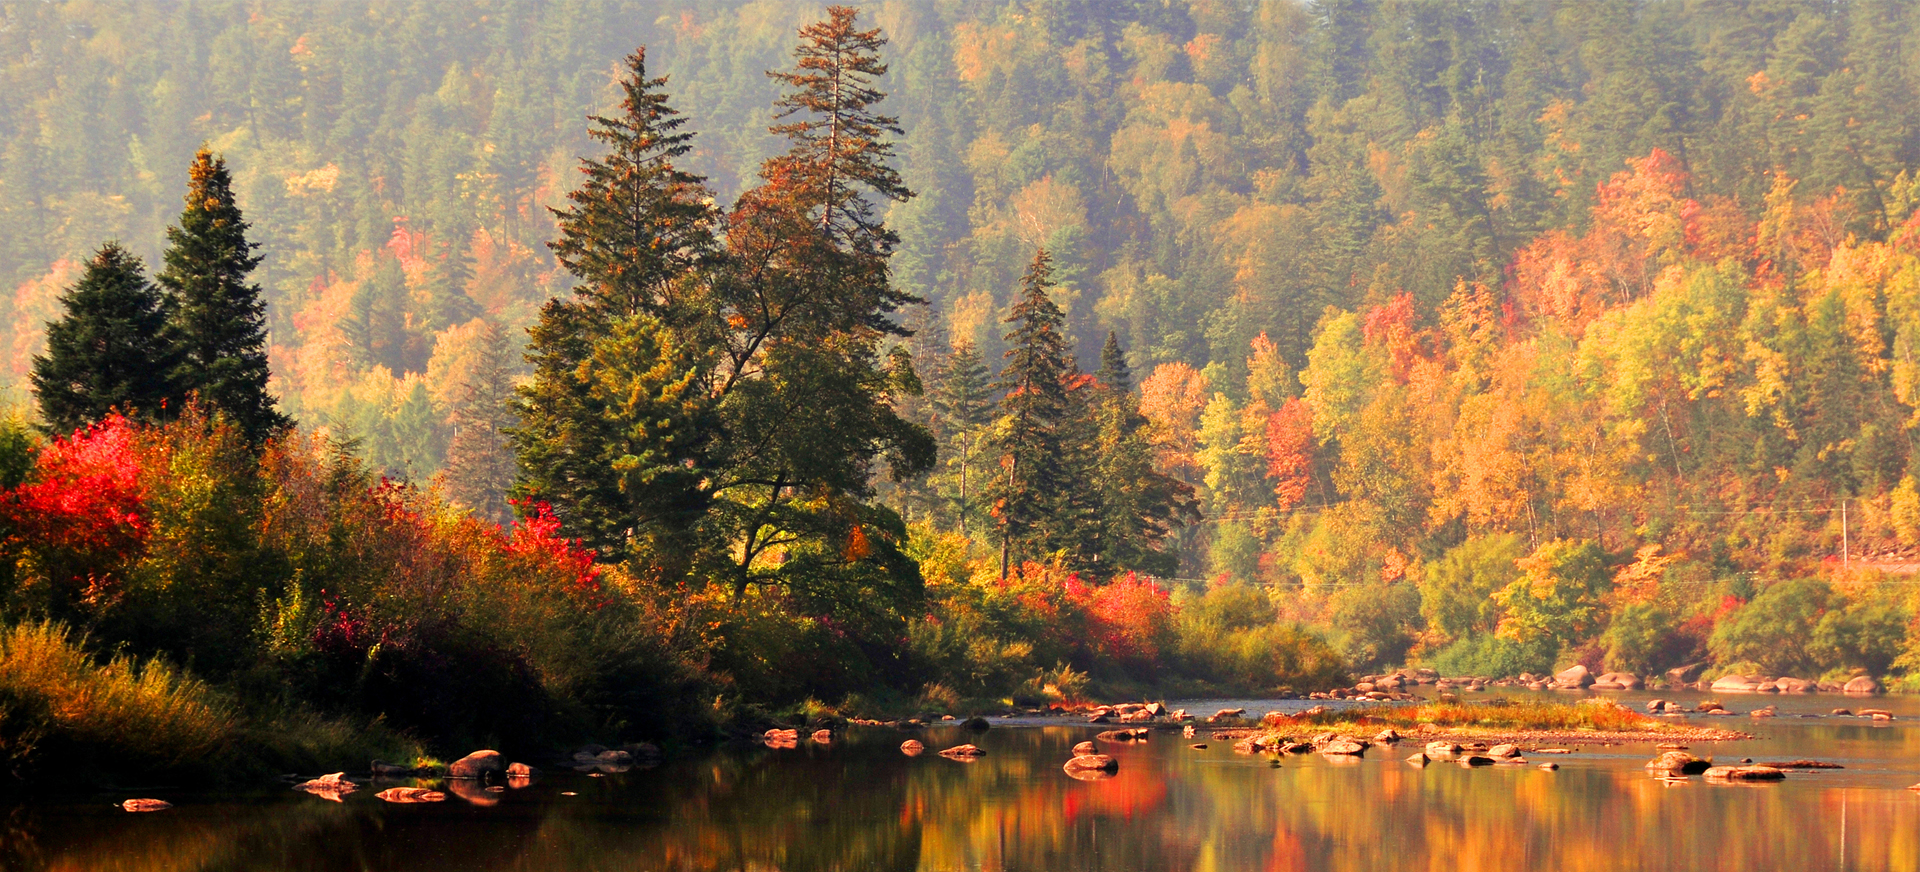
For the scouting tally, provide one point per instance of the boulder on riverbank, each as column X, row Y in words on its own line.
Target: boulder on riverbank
column 1574, row 677
column 1861, row 684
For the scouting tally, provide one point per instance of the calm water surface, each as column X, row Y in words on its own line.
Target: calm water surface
column 861, row 805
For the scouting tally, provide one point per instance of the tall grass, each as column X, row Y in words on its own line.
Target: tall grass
column 58, row 704
column 1490, row 715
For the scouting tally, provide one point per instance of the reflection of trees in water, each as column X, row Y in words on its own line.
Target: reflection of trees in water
column 862, row 805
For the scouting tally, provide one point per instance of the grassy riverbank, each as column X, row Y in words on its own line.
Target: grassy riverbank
column 1525, row 721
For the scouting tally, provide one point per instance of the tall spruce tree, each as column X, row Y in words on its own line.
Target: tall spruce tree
column 962, row 397
column 109, row 350
column 480, row 464
column 216, row 317
column 620, row 465
column 1138, row 506
column 1035, row 408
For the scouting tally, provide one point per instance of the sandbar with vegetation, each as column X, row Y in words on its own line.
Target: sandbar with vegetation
column 1510, row 721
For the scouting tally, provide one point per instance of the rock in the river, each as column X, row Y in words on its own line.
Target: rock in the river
column 1085, row 748
column 1137, row 734
column 1343, row 748
column 912, row 748
column 1573, row 677
column 478, row 764
column 146, row 805
column 519, row 770
column 1154, row 709
column 1796, row 685
column 1475, row 760
column 411, row 794
column 1419, row 758
column 381, row 768
column 823, row 737
column 1764, row 712
column 1442, row 749
column 1091, row 763
column 1744, row 773
column 967, row 753
column 1226, row 714
column 1618, row 681
column 1387, row 736
column 1678, row 763
column 976, row 724
column 1503, row 751
column 1198, row 746
column 1861, row 684
column 332, row 786
column 1549, row 766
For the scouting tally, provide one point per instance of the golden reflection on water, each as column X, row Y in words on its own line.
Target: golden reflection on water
column 862, row 805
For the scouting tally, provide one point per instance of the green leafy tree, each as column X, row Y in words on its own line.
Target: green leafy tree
column 804, row 387
column 108, row 351
column 1557, row 596
column 216, row 317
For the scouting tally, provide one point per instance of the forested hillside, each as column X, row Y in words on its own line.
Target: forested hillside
column 1491, row 334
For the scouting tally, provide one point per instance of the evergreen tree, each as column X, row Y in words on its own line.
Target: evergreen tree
column 1035, row 408
column 480, row 464
column 109, row 351
column 216, row 318
column 1138, row 506
column 635, row 234
column 962, row 398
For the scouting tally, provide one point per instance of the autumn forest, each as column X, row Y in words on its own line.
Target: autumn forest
column 690, row 361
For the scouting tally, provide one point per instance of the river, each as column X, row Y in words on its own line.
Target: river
column 859, row 804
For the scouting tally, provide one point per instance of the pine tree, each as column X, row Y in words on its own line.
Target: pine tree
column 1032, row 413
column 1137, row 505
column 109, row 351
column 480, row 464
column 635, row 234
column 1114, row 374
column 962, row 398
column 216, row 318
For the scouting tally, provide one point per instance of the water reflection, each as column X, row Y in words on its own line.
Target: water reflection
column 860, row 804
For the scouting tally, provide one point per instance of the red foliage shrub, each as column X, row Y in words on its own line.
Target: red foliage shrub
column 81, row 515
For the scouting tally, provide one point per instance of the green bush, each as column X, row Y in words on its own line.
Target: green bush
column 1492, row 656
column 1772, row 631
column 1375, row 622
column 1638, row 638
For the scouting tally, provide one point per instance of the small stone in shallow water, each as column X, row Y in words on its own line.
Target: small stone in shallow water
column 138, row 805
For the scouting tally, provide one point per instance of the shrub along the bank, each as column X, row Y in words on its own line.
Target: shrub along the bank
column 311, row 592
